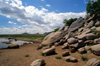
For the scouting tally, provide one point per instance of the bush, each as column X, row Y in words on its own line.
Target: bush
column 43, row 54
column 84, row 58
column 58, row 57
column 27, row 55
column 44, row 45
column 55, row 30
column 90, row 44
column 91, row 50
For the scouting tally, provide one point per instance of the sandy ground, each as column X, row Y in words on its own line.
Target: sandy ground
column 16, row 57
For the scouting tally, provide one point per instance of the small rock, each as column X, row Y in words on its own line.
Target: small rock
column 81, row 50
column 66, row 53
column 97, row 41
column 65, row 46
column 72, row 50
column 39, row 47
column 38, row 62
column 71, row 59
column 87, row 48
column 12, row 46
column 97, row 23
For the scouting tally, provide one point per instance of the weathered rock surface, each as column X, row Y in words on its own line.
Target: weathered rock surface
column 12, row 46
column 38, row 62
column 71, row 59
column 90, row 36
column 96, row 49
column 97, row 41
column 87, row 48
column 75, row 25
column 66, row 53
column 65, row 45
column 90, row 24
column 97, row 23
column 72, row 40
column 81, row 50
column 93, row 62
column 39, row 47
column 49, row 51
column 53, row 37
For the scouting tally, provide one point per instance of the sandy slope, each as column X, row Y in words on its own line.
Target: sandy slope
column 16, row 57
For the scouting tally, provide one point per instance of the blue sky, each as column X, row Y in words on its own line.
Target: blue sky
column 33, row 16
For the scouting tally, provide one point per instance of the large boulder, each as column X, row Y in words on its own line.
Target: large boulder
column 72, row 40
column 75, row 25
column 38, row 62
column 96, row 49
column 12, row 46
column 66, row 28
column 93, row 62
column 97, row 41
column 66, row 53
column 87, row 48
column 90, row 36
column 49, row 51
column 53, row 37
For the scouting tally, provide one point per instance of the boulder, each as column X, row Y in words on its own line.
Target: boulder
column 71, row 59
column 56, row 44
column 81, row 37
column 75, row 25
column 81, row 50
column 44, row 48
column 89, row 42
column 38, row 62
column 66, row 28
column 98, row 29
column 97, row 23
column 90, row 36
column 49, row 51
column 53, row 37
column 72, row 50
column 90, row 24
column 66, row 53
column 62, row 28
column 65, row 45
column 87, row 48
column 97, row 41
column 86, row 17
column 96, row 49
column 12, row 46
column 72, row 40
column 93, row 62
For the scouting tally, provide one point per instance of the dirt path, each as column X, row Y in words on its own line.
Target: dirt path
column 16, row 57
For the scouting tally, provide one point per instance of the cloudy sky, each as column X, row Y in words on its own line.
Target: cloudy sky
column 33, row 16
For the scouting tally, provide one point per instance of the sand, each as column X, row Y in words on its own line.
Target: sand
column 16, row 57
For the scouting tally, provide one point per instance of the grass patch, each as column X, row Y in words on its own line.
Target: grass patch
column 27, row 55
column 67, row 61
column 84, row 58
column 58, row 57
column 44, row 45
column 90, row 44
column 42, row 54
column 91, row 50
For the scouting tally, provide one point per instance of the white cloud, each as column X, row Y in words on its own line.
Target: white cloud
column 48, row 5
column 11, row 22
column 42, row 0
column 37, row 20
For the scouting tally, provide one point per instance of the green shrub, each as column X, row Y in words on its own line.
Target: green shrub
column 27, row 55
column 90, row 44
column 94, row 31
column 84, row 58
column 43, row 54
column 55, row 30
column 67, row 60
column 58, row 57
column 44, row 45
column 91, row 50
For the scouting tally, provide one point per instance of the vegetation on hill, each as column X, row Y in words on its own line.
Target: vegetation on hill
column 93, row 7
column 55, row 30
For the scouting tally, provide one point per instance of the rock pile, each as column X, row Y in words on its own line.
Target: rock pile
column 77, row 36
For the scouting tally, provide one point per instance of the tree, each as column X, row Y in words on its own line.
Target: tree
column 93, row 7
column 69, row 22
column 55, row 30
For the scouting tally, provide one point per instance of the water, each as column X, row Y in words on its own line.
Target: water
column 4, row 45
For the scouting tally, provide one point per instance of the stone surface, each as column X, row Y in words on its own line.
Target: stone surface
column 90, row 36
column 38, row 62
column 39, row 47
column 12, row 46
column 75, row 25
column 90, row 24
column 97, row 23
column 97, row 41
column 81, row 50
column 65, row 45
column 66, row 28
column 93, row 62
column 96, row 49
column 87, row 48
column 72, row 40
column 53, row 37
column 71, row 59
column 66, row 53
column 49, row 51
